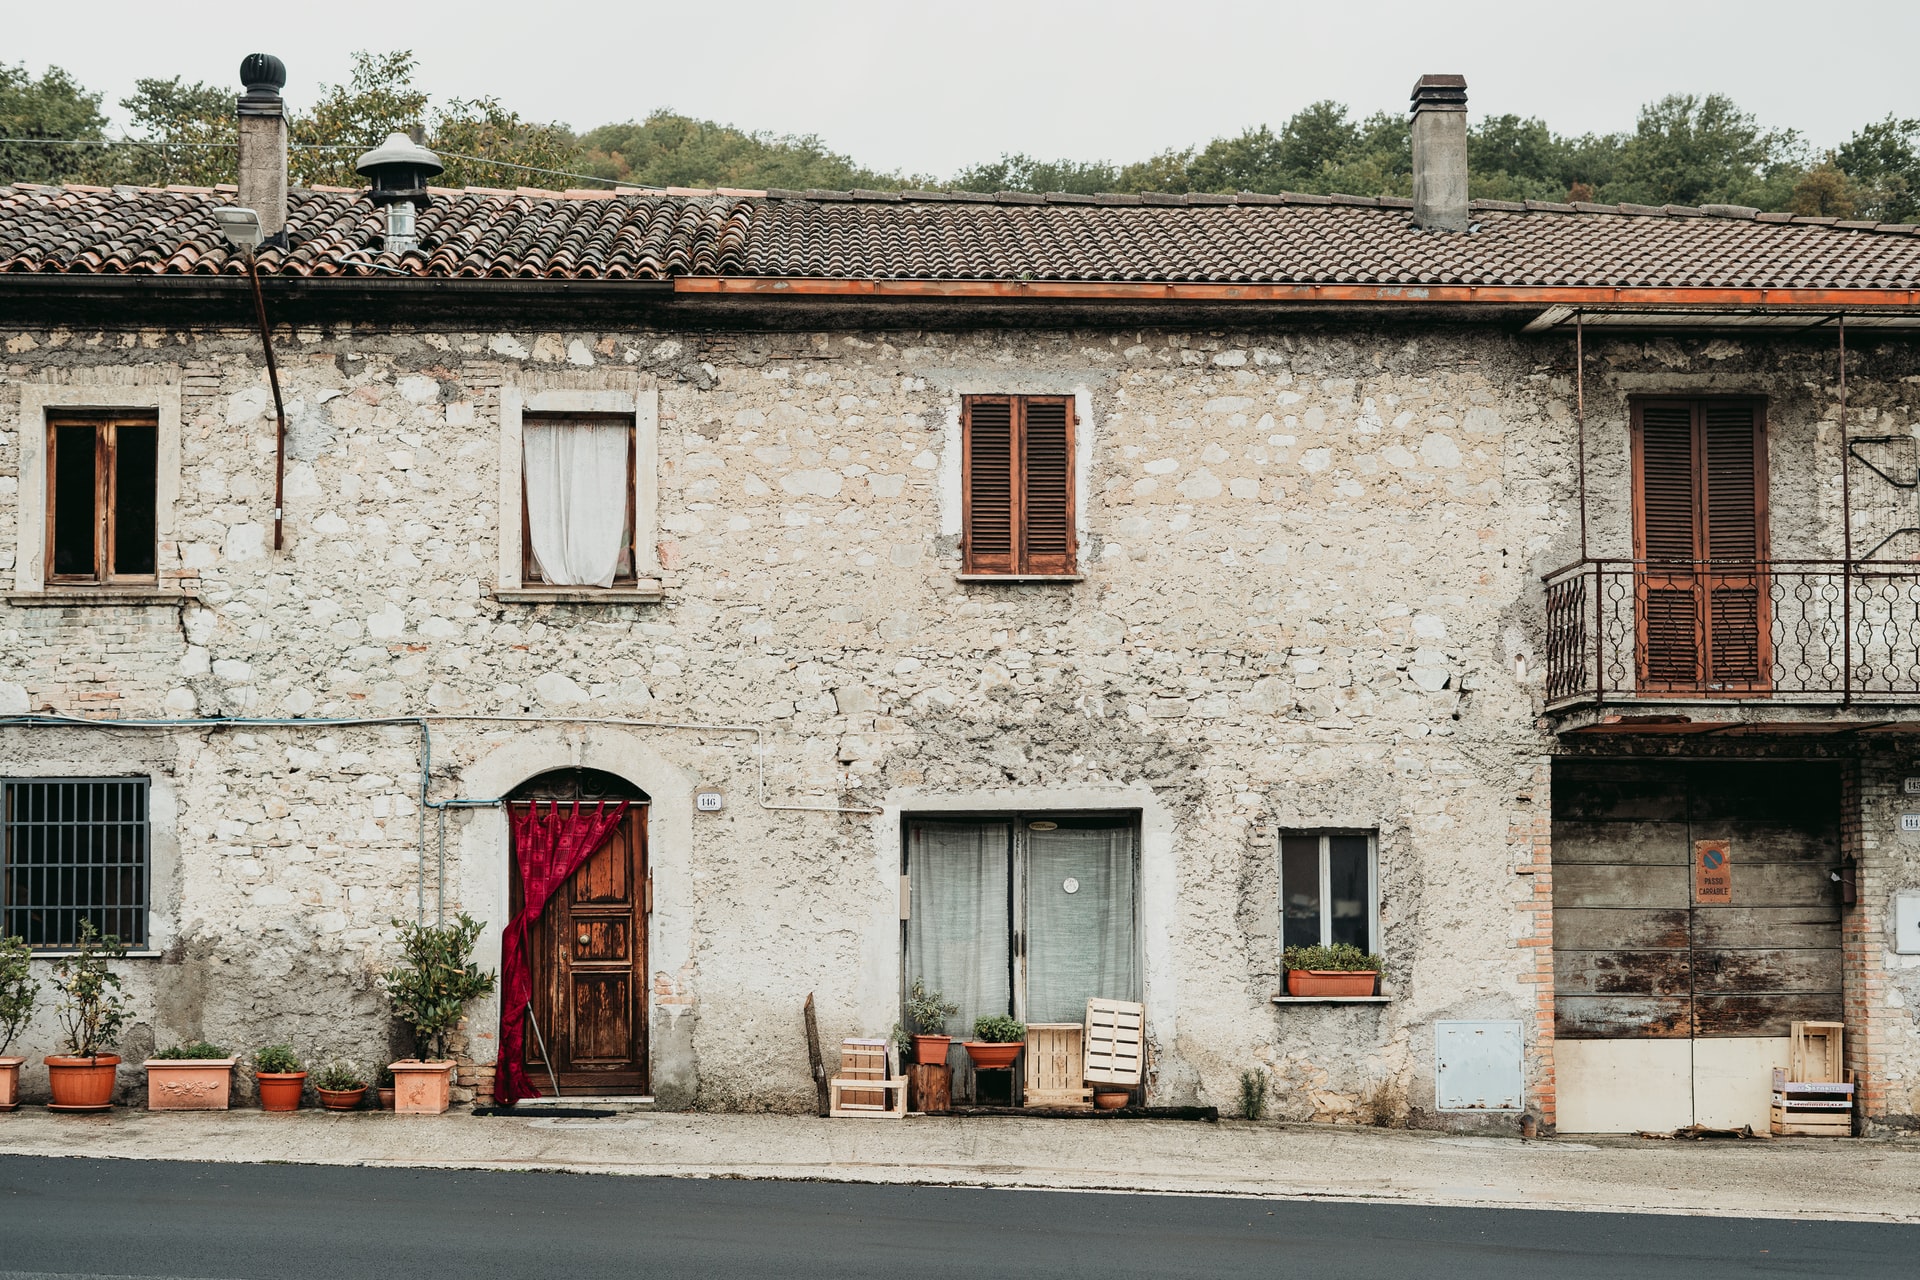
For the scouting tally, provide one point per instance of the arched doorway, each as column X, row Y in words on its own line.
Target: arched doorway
column 588, row 950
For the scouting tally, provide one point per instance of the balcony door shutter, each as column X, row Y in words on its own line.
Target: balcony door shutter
column 1699, row 494
column 1018, row 485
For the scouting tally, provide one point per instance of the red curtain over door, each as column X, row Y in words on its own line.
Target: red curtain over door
column 548, row 847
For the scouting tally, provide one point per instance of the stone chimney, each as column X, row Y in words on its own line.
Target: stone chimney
column 263, row 141
column 1440, row 153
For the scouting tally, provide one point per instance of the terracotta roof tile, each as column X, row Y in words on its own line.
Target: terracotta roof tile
column 651, row 235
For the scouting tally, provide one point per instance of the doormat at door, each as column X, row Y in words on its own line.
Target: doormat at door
column 564, row 1113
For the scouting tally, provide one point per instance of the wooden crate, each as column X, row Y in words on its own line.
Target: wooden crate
column 1816, row 1052
column 1116, row 1044
column 863, row 1060
column 1055, row 1059
column 1811, row 1108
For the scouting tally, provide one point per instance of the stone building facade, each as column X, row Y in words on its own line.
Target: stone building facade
column 1311, row 540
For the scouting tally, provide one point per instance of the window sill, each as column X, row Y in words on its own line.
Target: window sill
column 98, row 597
column 1019, row 577
column 1332, row 999
column 644, row 593
column 56, row 953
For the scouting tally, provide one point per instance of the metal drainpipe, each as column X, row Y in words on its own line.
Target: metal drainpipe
column 279, row 410
column 1846, row 532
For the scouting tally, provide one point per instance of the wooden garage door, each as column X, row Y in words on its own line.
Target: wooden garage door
column 1637, row 954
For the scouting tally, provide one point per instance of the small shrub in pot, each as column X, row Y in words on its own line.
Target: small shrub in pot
column 928, row 1013
column 18, row 995
column 341, row 1085
column 997, row 1041
column 1339, row 970
column 280, row 1077
column 93, row 1010
column 197, row 1076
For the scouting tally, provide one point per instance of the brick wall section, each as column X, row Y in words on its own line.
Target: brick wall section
column 1867, row 793
column 1531, row 839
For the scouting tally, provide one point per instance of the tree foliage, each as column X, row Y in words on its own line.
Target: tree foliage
column 1683, row 149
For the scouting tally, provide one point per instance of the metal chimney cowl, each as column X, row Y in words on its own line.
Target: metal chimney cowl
column 1440, row 153
column 398, row 170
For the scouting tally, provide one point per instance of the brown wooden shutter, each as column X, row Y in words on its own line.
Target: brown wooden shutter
column 988, row 522
column 1665, row 502
column 1733, row 482
column 1700, row 508
column 1048, row 458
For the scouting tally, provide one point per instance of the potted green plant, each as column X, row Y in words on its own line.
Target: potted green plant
column 997, row 1041
column 383, row 1087
column 430, row 993
column 341, row 1085
column 190, row 1077
column 92, row 1011
column 18, row 992
column 1339, row 970
column 279, row 1076
column 927, row 1014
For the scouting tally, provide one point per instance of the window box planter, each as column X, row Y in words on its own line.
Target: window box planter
column 422, row 1088
column 10, row 1083
column 990, row 1056
column 82, row 1084
column 189, row 1084
column 1331, row 982
column 931, row 1051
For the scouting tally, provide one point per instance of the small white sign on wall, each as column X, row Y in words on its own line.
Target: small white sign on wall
column 1910, row 822
column 709, row 800
column 1910, row 786
column 1906, row 922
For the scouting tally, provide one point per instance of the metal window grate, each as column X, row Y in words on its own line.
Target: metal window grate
column 74, row 849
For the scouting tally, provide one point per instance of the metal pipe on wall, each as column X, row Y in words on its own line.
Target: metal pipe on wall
column 1846, row 531
column 279, row 409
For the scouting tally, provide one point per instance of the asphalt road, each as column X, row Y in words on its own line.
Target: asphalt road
column 123, row 1218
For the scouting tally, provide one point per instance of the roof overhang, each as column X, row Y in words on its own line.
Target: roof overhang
column 1775, row 315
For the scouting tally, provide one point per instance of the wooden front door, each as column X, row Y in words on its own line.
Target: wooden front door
column 589, row 956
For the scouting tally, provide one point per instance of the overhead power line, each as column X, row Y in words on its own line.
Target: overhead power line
column 327, row 146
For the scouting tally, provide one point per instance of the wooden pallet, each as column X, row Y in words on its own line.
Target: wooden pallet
column 1055, row 1059
column 1116, row 1045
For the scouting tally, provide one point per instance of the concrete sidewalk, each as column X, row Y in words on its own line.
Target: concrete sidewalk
column 1811, row 1178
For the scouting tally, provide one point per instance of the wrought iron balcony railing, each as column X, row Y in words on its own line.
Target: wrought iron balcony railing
column 1809, row 631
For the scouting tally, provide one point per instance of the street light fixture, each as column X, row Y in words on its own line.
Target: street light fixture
column 241, row 227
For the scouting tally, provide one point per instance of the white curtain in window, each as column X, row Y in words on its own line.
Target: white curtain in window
column 958, row 932
column 1080, row 943
column 576, row 477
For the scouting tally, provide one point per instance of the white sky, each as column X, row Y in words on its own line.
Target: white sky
column 930, row 88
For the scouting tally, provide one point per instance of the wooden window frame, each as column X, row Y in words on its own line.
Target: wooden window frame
column 1022, row 557
column 106, row 427
column 1324, row 888
column 1700, row 578
column 529, row 567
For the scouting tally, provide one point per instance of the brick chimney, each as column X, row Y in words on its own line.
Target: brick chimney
column 1440, row 153
column 263, row 141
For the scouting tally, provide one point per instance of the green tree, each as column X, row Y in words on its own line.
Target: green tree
column 482, row 128
column 193, row 131
column 379, row 98
column 671, row 150
column 1883, row 161
column 1019, row 172
column 53, row 106
column 1823, row 191
column 1692, row 151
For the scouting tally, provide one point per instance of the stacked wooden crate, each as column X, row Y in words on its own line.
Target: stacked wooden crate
column 1813, row 1094
column 1056, row 1068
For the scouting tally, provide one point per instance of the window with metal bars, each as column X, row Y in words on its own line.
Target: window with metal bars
column 1017, row 486
column 73, row 849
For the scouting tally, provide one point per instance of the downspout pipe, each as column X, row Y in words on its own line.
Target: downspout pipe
column 279, row 408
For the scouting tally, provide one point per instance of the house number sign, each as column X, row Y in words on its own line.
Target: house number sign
column 709, row 800
column 1910, row 822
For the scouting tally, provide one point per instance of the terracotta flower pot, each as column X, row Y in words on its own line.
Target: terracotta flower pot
column 1330, row 982
column 189, row 1084
column 1111, row 1099
column 931, row 1051
column 990, row 1056
column 386, row 1099
column 82, row 1084
column 280, row 1090
column 10, row 1083
column 421, row 1088
column 340, row 1099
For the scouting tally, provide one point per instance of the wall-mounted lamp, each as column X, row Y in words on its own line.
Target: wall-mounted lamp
column 241, row 227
